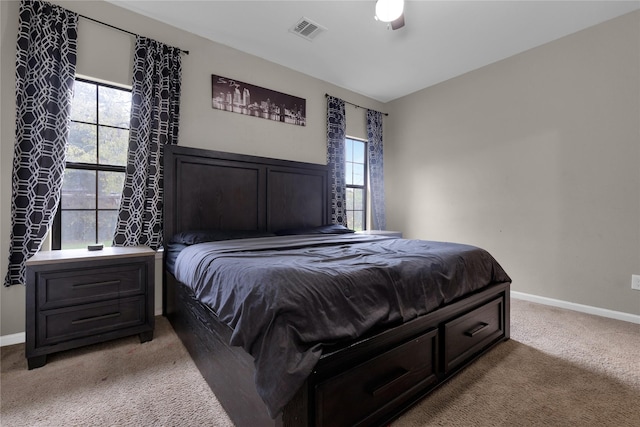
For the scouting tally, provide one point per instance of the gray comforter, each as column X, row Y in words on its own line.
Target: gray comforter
column 284, row 297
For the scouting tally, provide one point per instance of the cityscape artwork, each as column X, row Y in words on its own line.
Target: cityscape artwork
column 244, row 98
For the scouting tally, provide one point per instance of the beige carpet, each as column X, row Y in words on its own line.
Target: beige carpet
column 561, row 368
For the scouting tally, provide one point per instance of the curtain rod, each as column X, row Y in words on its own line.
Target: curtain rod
column 355, row 105
column 186, row 52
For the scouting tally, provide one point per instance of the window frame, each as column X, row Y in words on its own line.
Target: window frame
column 365, row 181
column 56, row 227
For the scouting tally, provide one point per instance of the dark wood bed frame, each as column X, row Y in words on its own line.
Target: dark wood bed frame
column 366, row 382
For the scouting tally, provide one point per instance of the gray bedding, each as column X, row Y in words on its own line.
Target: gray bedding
column 284, row 297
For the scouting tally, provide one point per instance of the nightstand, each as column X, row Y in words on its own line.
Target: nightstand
column 78, row 297
column 387, row 233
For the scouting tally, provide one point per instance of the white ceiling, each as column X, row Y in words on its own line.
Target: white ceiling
column 441, row 39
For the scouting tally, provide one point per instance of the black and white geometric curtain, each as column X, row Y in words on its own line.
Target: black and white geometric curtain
column 45, row 73
column 376, row 169
column 336, row 128
column 155, row 113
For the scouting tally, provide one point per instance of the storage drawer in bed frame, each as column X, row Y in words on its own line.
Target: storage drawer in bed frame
column 472, row 332
column 375, row 387
column 369, row 382
column 415, row 358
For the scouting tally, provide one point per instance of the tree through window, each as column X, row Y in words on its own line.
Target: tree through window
column 95, row 169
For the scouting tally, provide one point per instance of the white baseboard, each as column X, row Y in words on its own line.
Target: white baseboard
column 618, row 315
column 12, row 339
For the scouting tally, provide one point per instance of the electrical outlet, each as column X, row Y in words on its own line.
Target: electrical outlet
column 635, row 282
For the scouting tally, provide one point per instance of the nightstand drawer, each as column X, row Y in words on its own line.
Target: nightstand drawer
column 69, row 323
column 90, row 284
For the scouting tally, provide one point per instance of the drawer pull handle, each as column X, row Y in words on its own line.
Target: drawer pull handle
column 397, row 376
column 90, row 285
column 472, row 332
column 94, row 318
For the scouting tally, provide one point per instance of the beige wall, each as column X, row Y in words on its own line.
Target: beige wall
column 107, row 54
column 537, row 159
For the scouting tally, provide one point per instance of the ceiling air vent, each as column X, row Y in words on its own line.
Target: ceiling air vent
column 307, row 29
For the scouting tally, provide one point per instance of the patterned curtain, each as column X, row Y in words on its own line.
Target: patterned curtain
column 45, row 72
column 376, row 172
column 155, row 109
column 336, row 125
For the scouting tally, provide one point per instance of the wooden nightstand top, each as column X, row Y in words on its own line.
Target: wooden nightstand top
column 387, row 233
column 52, row 257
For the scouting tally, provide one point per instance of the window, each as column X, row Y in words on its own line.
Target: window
column 95, row 169
column 356, row 183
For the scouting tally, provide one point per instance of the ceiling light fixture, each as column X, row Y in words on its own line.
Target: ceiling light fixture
column 389, row 10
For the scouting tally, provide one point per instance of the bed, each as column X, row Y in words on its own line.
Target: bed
column 360, row 367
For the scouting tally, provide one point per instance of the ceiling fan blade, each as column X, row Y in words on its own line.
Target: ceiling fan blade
column 398, row 23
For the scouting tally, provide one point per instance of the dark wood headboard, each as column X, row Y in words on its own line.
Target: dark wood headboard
column 213, row 190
